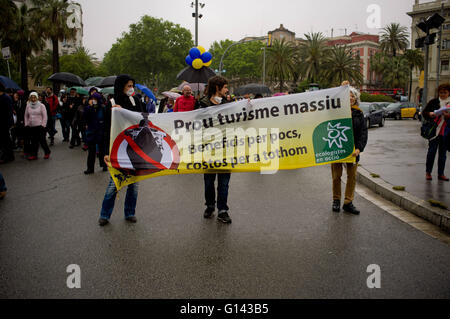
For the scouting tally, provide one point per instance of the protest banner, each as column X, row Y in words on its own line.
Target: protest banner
column 262, row 135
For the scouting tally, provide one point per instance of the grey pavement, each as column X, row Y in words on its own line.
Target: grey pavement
column 284, row 241
column 398, row 153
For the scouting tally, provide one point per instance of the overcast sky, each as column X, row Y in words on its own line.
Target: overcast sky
column 105, row 20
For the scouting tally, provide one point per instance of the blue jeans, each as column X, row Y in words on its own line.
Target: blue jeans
column 2, row 184
column 222, row 190
column 110, row 198
column 437, row 144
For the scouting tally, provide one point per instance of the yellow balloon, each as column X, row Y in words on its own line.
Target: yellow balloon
column 197, row 64
column 202, row 49
column 208, row 64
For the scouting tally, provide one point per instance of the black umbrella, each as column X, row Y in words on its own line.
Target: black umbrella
column 253, row 88
column 107, row 82
column 67, row 78
column 192, row 75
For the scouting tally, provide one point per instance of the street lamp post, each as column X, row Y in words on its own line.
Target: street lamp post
column 197, row 16
column 264, row 66
column 439, row 45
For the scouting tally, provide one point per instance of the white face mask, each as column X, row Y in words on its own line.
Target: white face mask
column 130, row 92
column 94, row 102
column 218, row 99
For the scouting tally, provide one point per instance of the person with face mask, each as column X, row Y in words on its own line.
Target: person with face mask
column 35, row 122
column 124, row 97
column 217, row 92
column 94, row 119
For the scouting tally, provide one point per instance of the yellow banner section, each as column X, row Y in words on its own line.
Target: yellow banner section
column 263, row 135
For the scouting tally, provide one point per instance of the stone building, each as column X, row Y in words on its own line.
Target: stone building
column 364, row 45
column 422, row 11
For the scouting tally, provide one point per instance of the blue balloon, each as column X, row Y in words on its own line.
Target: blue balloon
column 195, row 53
column 206, row 57
column 189, row 60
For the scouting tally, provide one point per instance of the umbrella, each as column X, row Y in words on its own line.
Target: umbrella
column 279, row 94
column 109, row 90
column 146, row 91
column 175, row 90
column 94, row 81
column 198, row 87
column 192, row 75
column 67, row 78
column 253, row 88
column 80, row 90
column 8, row 83
column 107, row 82
column 171, row 95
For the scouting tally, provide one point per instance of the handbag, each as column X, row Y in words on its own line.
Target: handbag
column 428, row 129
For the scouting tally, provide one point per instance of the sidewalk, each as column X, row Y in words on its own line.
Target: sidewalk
column 397, row 153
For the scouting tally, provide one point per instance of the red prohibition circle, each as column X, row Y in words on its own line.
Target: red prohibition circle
column 122, row 137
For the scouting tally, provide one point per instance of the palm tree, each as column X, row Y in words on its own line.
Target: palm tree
column 312, row 53
column 23, row 39
column 396, row 72
column 51, row 21
column 415, row 60
column 41, row 66
column 280, row 61
column 394, row 38
column 9, row 11
column 377, row 63
column 341, row 64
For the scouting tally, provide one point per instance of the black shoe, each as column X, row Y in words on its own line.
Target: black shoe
column 131, row 219
column 209, row 212
column 103, row 222
column 349, row 208
column 105, row 169
column 71, row 146
column 337, row 206
column 224, row 217
column 88, row 172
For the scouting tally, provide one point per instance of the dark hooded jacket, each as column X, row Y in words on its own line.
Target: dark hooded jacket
column 124, row 101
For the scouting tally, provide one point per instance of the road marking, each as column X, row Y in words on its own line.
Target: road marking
column 405, row 216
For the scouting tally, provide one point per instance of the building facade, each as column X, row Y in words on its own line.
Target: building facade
column 422, row 11
column 362, row 45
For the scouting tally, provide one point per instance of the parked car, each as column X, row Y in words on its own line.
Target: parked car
column 372, row 115
column 381, row 106
column 402, row 110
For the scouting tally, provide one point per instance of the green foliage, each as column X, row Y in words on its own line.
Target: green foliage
column 41, row 67
column 366, row 97
column 340, row 65
column 153, row 52
column 311, row 55
column 394, row 38
column 281, row 65
column 79, row 63
column 242, row 61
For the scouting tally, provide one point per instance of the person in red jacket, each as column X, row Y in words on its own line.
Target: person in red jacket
column 186, row 102
column 53, row 101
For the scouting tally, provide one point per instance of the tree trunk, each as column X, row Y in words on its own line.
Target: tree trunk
column 24, row 72
column 55, row 63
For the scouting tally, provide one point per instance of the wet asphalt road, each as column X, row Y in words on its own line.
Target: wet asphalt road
column 284, row 241
column 398, row 154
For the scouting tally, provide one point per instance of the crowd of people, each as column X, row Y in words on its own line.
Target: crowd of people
column 27, row 122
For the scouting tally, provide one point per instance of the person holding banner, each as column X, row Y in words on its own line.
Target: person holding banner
column 123, row 98
column 217, row 91
column 360, row 134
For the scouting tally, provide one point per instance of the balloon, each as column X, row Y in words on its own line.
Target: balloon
column 206, row 57
column 195, row 53
column 197, row 64
column 208, row 64
column 202, row 49
column 189, row 60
